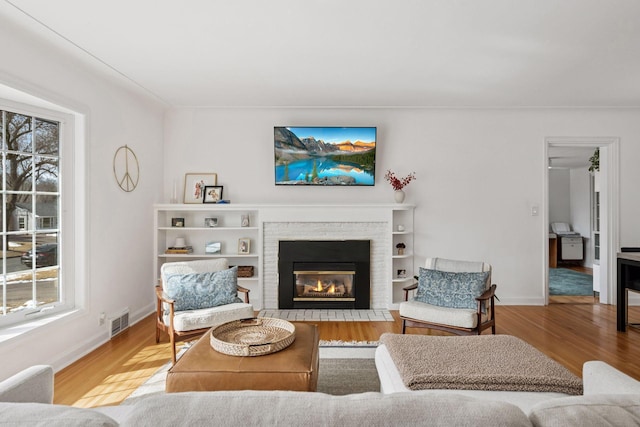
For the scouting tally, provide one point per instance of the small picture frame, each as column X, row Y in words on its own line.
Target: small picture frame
column 211, row 222
column 212, row 194
column 213, row 248
column 177, row 222
column 244, row 245
column 194, row 184
column 245, row 221
column 402, row 274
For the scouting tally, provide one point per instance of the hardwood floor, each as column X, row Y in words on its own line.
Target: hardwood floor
column 569, row 333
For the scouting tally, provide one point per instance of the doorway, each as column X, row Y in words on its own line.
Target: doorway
column 571, row 199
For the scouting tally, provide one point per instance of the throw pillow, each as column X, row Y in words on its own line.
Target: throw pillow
column 452, row 290
column 203, row 290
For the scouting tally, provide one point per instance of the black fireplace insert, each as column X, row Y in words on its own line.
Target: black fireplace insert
column 324, row 274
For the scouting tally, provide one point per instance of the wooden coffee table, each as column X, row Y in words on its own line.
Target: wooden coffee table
column 201, row 368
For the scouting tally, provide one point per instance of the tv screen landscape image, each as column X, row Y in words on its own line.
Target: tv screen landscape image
column 325, row 155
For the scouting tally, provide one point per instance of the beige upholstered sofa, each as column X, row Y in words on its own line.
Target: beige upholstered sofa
column 611, row 398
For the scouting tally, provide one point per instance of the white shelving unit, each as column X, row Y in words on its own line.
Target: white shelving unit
column 402, row 232
column 227, row 233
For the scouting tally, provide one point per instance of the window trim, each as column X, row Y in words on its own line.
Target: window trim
column 71, row 214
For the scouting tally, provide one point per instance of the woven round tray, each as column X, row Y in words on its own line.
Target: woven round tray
column 253, row 337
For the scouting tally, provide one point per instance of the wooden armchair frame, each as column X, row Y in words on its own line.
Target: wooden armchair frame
column 161, row 299
column 490, row 322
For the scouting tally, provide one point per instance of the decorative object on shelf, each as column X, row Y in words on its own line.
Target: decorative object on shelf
column 401, row 246
column 400, row 228
column 194, row 184
column 174, row 193
column 180, row 242
column 126, row 168
column 179, row 251
column 245, row 271
column 399, row 183
column 211, row 222
column 213, row 248
column 212, row 194
column 595, row 161
column 244, row 245
column 244, row 220
column 402, row 274
column 177, row 222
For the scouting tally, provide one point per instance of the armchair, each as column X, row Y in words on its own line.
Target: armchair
column 440, row 309
column 197, row 295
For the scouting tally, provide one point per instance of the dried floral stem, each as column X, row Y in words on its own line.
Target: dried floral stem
column 399, row 183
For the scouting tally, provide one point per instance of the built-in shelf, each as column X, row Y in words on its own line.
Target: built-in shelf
column 403, row 216
column 197, row 234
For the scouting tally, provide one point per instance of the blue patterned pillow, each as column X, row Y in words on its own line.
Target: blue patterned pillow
column 203, row 290
column 452, row 290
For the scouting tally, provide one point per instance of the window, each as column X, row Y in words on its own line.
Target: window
column 31, row 282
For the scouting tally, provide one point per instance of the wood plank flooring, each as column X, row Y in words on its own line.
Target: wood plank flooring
column 568, row 333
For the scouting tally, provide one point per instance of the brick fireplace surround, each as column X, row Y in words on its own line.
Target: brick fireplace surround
column 329, row 223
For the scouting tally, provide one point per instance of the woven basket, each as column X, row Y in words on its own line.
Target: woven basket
column 253, row 337
column 245, row 271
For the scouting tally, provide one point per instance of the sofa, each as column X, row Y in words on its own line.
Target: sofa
column 610, row 398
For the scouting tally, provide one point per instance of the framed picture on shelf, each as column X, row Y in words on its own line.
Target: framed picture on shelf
column 244, row 221
column 212, row 194
column 402, row 274
column 213, row 248
column 194, row 184
column 244, row 245
column 211, row 222
column 177, row 222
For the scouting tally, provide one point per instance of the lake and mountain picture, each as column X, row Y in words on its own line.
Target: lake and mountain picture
column 325, row 155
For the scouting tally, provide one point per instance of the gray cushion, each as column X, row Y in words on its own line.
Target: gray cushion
column 203, row 290
column 451, row 290
column 42, row 414
column 588, row 411
column 286, row 408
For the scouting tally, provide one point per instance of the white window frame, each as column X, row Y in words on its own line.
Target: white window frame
column 71, row 161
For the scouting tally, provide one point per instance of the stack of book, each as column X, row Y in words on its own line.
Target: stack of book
column 182, row 250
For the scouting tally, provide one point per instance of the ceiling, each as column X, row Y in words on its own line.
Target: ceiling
column 355, row 53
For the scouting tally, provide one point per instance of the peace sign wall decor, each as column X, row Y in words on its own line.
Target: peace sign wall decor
column 126, row 168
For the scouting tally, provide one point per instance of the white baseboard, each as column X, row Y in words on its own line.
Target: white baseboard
column 87, row 346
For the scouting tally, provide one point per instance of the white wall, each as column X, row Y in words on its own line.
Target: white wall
column 119, row 241
column 479, row 172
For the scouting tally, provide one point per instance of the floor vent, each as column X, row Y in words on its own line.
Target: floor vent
column 120, row 323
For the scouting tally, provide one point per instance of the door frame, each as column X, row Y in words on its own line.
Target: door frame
column 609, row 208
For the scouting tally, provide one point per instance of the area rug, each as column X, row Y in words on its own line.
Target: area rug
column 345, row 367
column 563, row 281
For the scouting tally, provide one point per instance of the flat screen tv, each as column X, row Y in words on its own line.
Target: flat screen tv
column 326, row 156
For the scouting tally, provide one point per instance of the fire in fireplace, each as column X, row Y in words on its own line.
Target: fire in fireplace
column 324, row 274
column 323, row 285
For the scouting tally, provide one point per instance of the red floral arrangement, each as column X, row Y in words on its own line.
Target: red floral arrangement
column 399, row 183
